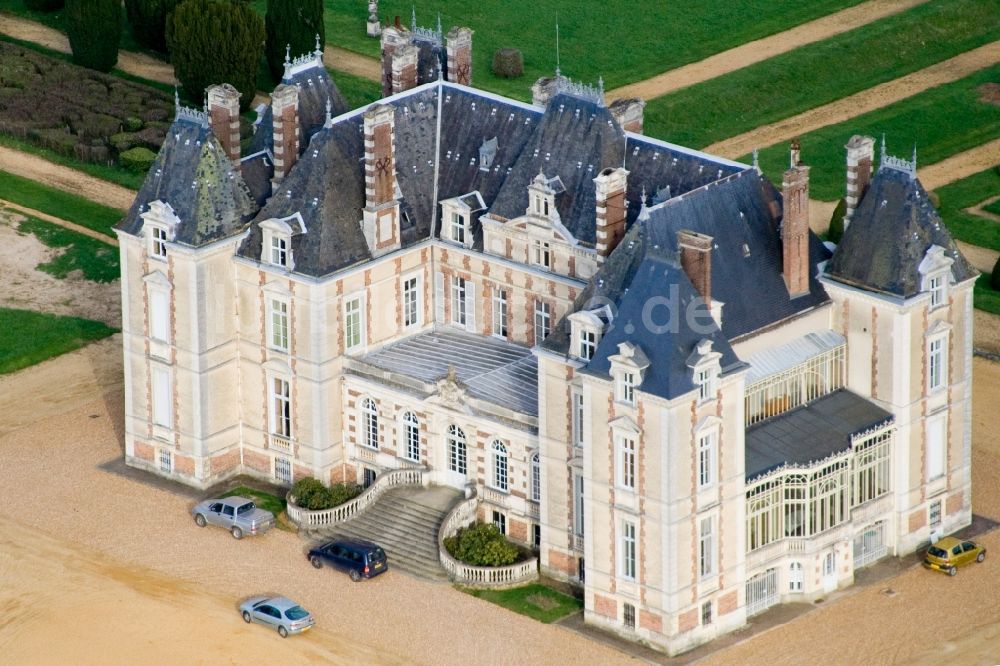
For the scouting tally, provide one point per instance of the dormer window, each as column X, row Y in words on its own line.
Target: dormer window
column 935, row 285
column 276, row 245
column 588, row 344
column 458, row 214
column 704, row 364
column 158, row 242
column 458, row 228
column 279, row 251
column 626, row 387
column 628, row 367
column 160, row 226
column 935, row 269
column 705, row 379
column 543, row 254
column 586, row 327
column 487, row 153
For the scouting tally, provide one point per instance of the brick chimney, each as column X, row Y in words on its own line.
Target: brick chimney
column 285, row 112
column 224, row 119
column 381, row 213
column 459, row 45
column 860, row 156
column 696, row 260
column 399, row 60
column 628, row 113
column 610, row 192
column 795, row 225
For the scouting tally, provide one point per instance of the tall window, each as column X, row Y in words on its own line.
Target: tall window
column 871, row 469
column 166, row 461
column 543, row 254
column 281, row 407
column 706, row 547
column 457, row 228
column 543, row 316
column 500, row 469
column 500, row 520
column 706, row 460
column 352, row 323
column 578, row 420
column 159, row 319
column 536, row 478
column 935, row 364
column 703, row 378
column 935, row 448
column 936, row 287
column 588, row 344
column 796, row 486
column 626, row 460
column 162, row 397
column 279, row 324
column 369, row 423
column 628, row 550
column 411, row 302
column 158, row 238
column 578, row 505
column 456, row 450
column 411, row 436
column 500, row 312
column 626, row 387
column 279, row 250
column 458, row 300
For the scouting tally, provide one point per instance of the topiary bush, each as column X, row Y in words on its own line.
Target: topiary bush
column 482, row 545
column 148, row 20
column 310, row 493
column 44, row 5
column 94, row 28
column 137, row 159
column 508, row 63
column 995, row 276
column 836, row 230
column 291, row 24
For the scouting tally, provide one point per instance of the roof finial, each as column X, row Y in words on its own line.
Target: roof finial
column 914, row 173
column 883, row 149
column 600, row 86
column 288, row 54
column 440, row 32
column 756, row 160
column 177, row 100
column 557, row 45
column 413, row 18
column 329, row 114
column 319, row 48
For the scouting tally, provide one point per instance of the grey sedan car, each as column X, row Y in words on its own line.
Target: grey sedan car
column 239, row 515
column 278, row 612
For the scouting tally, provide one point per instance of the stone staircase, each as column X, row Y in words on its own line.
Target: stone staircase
column 405, row 522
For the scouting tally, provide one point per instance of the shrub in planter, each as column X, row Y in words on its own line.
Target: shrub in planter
column 482, row 544
column 309, row 493
column 508, row 63
column 304, row 490
column 137, row 159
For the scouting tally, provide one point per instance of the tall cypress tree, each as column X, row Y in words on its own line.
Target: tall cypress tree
column 94, row 28
column 294, row 24
column 44, row 5
column 148, row 19
column 216, row 41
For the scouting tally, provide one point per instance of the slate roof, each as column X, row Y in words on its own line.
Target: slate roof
column 193, row 174
column 489, row 368
column 891, row 230
column 811, row 432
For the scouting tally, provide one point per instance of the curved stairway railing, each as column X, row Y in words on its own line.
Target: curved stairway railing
column 308, row 519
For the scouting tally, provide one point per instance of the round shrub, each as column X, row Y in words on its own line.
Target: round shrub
column 137, row 159
column 995, row 276
column 309, row 493
column 94, row 28
column 132, row 124
column 44, row 5
column 482, row 545
column 305, row 489
column 148, row 19
column 836, row 230
column 508, row 63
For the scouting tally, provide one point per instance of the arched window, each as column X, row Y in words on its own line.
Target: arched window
column 536, row 478
column 456, row 450
column 500, row 469
column 411, row 436
column 369, row 418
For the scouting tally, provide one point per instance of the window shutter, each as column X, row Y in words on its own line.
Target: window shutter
column 161, row 397
column 470, row 306
column 935, row 448
column 439, row 297
column 159, row 328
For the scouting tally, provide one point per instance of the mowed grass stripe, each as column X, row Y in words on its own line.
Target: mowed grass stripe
column 942, row 122
column 820, row 73
column 60, row 204
column 96, row 261
column 953, row 199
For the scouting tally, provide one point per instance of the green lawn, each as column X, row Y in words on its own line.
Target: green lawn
column 941, row 121
column 263, row 500
column 112, row 174
column 961, row 194
column 60, row 204
column 659, row 35
column 55, row 20
column 993, row 207
column 27, row 337
column 96, row 260
column 356, row 90
column 823, row 72
column 984, row 297
column 536, row 601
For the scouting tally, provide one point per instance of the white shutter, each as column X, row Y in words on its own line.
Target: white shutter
column 161, row 397
column 470, row 306
column 439, row 297
column 159, row 330
column 935, row 448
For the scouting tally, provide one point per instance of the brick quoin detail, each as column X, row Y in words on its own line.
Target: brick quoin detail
column 687, row 621
column 728, row 603
column 223, row 463
column 562, row 562
column 518, row 531
column 257, row 462
column 917, row 520
column 184, row 465
column 144, row 451
column 954, row 503
column 651, row 622
column 606, row 607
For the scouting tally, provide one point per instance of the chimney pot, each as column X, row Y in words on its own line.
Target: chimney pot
column 696, row 260
column 285, row 118
column 610, row 189
column 860, row 157
column 458, row 43
column 224, row 118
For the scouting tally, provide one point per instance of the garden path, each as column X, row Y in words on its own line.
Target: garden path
column 762, row 49
column 960, row 166
column 350, row 62
column 58, row 220
column 980, row 209
column 64, row 178
column 873, row 98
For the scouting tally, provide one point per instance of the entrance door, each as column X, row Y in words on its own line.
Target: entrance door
column 830, row 571
column 458, row 462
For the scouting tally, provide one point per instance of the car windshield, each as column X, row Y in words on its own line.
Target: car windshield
column 377, row 555
column 246, row 508
column 296, row 613
column 934, row 551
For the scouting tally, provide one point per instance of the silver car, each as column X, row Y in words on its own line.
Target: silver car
column 279, row 612
column 239, row 515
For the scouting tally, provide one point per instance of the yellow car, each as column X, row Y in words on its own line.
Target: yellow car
column 950, row 553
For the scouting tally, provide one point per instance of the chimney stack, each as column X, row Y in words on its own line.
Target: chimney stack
column 795, row 225
column 545, row 89
column 611, row 207
column 381, row 213
column 459, row 45
column 860, row 156
column 696, row 260
column 399, row 60
column 285, row 115
column 224, row 119
column 628, row 114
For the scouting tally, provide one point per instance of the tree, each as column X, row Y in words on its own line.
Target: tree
column 836, row 230
column 148, row 19
column 94, row 28
column 44, row 5
column 292, row 24
column 216, row 41
column 995, row 276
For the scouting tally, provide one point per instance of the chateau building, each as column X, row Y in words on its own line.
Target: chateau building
column 638, row 354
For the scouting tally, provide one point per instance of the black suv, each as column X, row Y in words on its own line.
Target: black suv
column 360, row 559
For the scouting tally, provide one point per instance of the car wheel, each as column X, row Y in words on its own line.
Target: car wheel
column 283, row 632
column 355, row 576
column 952, row 571
column 246, row 617
column 237, row 533
column 981, row 556
column 200, row 521
column 316, row 561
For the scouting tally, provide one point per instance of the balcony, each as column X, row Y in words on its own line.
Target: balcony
column 493, row 496
column 279, row 443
